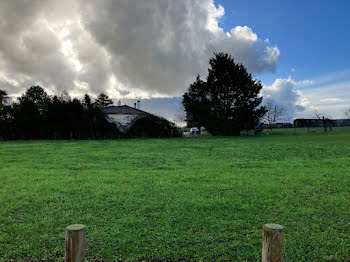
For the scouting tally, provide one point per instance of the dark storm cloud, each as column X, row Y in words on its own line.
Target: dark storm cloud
column 127, row 48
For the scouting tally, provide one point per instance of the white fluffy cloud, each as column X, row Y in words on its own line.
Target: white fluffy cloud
column 283, row 92
column 331, row 100
column 126, row 48
column 303, row 98
column 328, row 95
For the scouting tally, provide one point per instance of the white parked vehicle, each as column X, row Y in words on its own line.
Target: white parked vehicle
column 194, row 131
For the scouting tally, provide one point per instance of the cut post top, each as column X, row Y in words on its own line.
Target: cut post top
column 276, row 227
column 75, row 227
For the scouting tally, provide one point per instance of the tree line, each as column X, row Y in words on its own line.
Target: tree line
column 227, row 102
column 36, row 115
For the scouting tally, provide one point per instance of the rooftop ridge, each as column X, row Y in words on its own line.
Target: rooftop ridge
column 123, row 109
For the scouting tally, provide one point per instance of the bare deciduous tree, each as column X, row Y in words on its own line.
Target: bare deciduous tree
column 180, row 115
column 64, row 96
column 324, row 118
column 347, row 112
column 317, row 115
column 274, row 112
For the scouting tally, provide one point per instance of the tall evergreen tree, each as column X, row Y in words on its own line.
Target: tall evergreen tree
column 87, row 103
column 103, row 101
column 228, row 101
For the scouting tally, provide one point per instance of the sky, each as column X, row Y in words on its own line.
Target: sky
column 152, row 50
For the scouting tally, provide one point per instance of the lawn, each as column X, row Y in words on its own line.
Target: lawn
column 305, row 130
column 188, row 198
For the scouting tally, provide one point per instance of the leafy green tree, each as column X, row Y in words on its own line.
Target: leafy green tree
column 103, row 101
column 38, row 96
column 5, row 119
column 87, row 103
column 31, row 112
column 91, row 111
column 28, row 120
column 57, row 118
column 228, row 101
column 64, row 96
column 3, row 98
column 148, row 125
column 196, row 104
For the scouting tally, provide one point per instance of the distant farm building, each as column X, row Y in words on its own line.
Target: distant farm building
column 305, row 122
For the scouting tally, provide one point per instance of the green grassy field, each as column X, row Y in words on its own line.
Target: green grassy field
column 194, row 199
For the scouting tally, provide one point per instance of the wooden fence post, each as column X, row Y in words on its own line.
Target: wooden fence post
column 272, row 247
column 74, row 246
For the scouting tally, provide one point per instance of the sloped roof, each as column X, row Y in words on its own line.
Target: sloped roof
column 123, row 110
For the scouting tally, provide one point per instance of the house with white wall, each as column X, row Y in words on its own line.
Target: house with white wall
column 124, row 116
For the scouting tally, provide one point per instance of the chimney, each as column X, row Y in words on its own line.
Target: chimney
column 119, row 103
column 138, row 104
column 135, row 105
